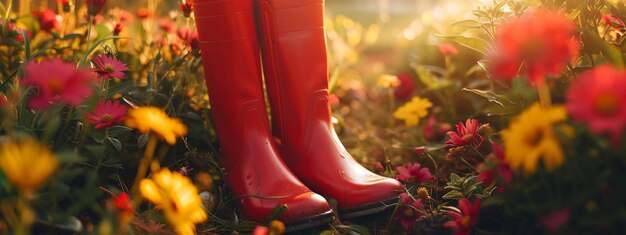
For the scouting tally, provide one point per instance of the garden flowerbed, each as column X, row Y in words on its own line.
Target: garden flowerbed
column 507, row 120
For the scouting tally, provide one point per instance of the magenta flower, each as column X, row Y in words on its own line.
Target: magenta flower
column 413, row 173
column 406, row 88
column 187, row 8
column 613, row 22
column 106, row 114
column 408, row 211
column 57, row 82
column 107, row 67
column 462, row 223
column 465, row 134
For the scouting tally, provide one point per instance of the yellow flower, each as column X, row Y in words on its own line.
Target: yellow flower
column 531, row 137
column 412, row 111
column 26, row 163
column 153, row 119
column 388, row 81
column 177, row 197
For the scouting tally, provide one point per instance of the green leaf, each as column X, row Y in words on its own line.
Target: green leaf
column 453, row 195
column 26, row 45
column 596, row 44
column 115, row 143
column 359, row 229
column 474, row 43
column 276, row 213
column 460, row 27
column 142, row 140
column 119, row 130
column 83, row 59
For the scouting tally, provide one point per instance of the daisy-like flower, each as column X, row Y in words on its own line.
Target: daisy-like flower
column 106, row 114
column 465, row 134
column 26, row 163
column 153, row 119
column 597, row 98
column 531, row 137
column 178, row 199
column 57, row 81
column 408, row 211
column 413, row 111
column 388, row 81
column 542, row 40
column 463, row 221
column 413, row 173
column 107, row 67
column 495, row 167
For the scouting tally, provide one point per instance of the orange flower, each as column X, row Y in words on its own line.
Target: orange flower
column 541, row 41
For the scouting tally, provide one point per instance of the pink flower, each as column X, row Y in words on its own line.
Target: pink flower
column 465, row 134
column 433, row 130
column 48, row 20
column 406, row 87
column 117, row 28
column 448, row 49
column 613, row 22
column 408, row 211
column 413, row 173
column 107, row 67
column 462, row 223
column 95, row 6
column 597, row 98
column 190, row 36
column 495, row 166
column 556, row 219
column 543, row 41
column 106, row 114
column 57, row 81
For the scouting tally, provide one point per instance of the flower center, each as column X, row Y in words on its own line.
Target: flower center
column 55, row 84
column 467, row 137
column 106, row 117
column 466, row 221
column 108, row 68
column 606, row 105
column 533, row 48
column 535, row 137
column 409, row 212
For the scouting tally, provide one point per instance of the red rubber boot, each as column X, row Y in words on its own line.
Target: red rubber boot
column 296, row 72
column 253, row 169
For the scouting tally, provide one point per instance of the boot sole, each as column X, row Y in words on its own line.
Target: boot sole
column 368, row 209
column 309, row 222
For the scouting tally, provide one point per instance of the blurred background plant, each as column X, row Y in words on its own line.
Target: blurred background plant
column 415, row 94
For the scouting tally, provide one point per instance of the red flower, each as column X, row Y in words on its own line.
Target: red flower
column 48, row 20
column 106, row 114
column 117, row 28
column 107, row 67
column 57, row 81
column 406, row 87
column 448, row 49
column 433, row 130
column 166, row 25
column 466, row 134
column 186, row 7
column 462, row 223
column 597, row 98
column 123, row 203
column 543, row 41
column 413, row 173
column 495, row 166
column 408, row 211
column 95, row 6
column 556, row 219
column 190, row 36
column 613, row 22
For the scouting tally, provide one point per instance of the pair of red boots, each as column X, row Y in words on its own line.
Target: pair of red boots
column 260, row 172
